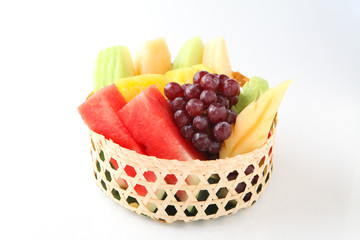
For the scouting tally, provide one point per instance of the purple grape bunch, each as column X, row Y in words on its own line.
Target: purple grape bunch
column 202, row 110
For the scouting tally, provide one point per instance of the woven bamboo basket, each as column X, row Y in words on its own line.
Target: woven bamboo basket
column 199, row 190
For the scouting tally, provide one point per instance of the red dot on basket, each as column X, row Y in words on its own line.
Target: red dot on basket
column 114, row 163
column 270, row 151
column 150, row 176
column 130, row 171
column 171, row 179
column 141, row 190
column 269, row 135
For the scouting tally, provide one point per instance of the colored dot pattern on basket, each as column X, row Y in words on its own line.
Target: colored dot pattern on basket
column 170, row 190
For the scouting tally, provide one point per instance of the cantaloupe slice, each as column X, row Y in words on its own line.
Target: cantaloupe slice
column 186, row 75
column 254, row 122
column 153, row 57
column 216, row 56
column 190, row 54
column 132, row 86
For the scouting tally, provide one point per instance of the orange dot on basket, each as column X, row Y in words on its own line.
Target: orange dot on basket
column 262, row 161
column 150, row 176
column 141, row 190
column 171, row 179
column 114, row 163
column 122, row 183
column 130, row 171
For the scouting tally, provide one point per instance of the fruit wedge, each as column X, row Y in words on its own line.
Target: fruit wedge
column 216, row 57
column 150, row 121
column 153, row 57
column 111, row 64
column 99, row 112
column 190, row 54
column 251, row 92
column 254, row 122
column 132, row 86
column 186, row 75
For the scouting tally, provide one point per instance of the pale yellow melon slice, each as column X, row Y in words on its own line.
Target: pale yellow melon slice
column 253, row 123
column 216, row 56
column 153, row 57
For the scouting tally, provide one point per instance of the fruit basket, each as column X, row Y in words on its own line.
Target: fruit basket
column 170, row 190
column 183, row 141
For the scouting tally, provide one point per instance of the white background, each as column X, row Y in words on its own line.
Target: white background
column 47, row 54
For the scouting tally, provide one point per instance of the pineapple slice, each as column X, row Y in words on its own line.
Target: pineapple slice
column 254, row 122
column 153, row 57
column 216, row 56
column 132, row 86
column 186, row 75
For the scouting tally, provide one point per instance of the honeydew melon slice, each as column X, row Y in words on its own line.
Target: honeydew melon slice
column 111, row 64
column 251, row 92
column 190, row 54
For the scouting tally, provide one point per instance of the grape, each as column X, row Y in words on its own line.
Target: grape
column 182, row 118
column 201, row 123
column 214, row 147
column 198, row 76
column 192, row 91
column 210, row 82
column 222, row 131
column 223, row 101
column 201, row 141
column 187, row 132
column 216, row 113
column 222, row 78
column 231, row 116
column 184, row 86
column 194, row 107
column 202, row 110
column 230, row 87
column 233, row 100
column 178, row 103
column 173, row 90
column 212, row 156
column 208, row 97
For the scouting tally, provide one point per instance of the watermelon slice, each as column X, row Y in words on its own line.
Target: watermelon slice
column 99, row 114
column 150, row 121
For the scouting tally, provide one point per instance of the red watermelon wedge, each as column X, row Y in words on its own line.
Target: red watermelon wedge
column 99, row 113
column 149, row 119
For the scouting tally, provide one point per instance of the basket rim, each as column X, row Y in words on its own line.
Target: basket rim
column 189, row 163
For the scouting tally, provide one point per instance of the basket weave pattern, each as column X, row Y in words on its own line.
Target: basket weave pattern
column 198, row 190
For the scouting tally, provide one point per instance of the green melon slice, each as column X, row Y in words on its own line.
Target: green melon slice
column 190, row 54
column 111, row 64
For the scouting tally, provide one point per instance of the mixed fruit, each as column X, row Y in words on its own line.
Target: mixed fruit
column 193, row 108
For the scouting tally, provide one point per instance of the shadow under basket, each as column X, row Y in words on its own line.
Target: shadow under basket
column 172, row 190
